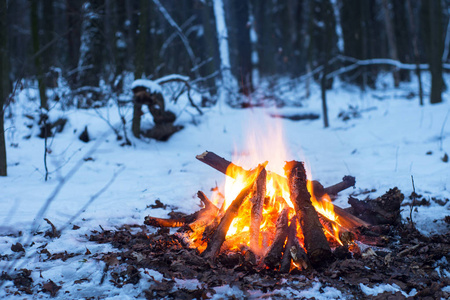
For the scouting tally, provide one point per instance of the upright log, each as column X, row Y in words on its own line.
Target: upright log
column 316, row 243
column 294, row 251
column 273, row 256
column 257, row 210
column 218, row 237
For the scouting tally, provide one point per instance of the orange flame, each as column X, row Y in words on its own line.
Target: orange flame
column 265, row 144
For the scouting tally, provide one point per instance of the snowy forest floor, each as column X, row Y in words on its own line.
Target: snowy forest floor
column 101, row 185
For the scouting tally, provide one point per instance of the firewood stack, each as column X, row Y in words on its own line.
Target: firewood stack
column 301, row 236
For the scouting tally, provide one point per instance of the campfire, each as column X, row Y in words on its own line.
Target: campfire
column 276, row 221
column 270, row 220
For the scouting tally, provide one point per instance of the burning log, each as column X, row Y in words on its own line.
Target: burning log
column 343, row 237
column 320, row 190
column 316, row 243
column 159, row 222
column 218, row 237
column 347, row 181
column 293, row 250
column 207, row 214
column 273, row 256
column 202, row 216
column 221, row 165
column 257, row 209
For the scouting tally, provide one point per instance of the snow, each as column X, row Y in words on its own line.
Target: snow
column 172, row 77
column 382, row 148
column 151, row 85
column 317, row 291
column 381, row 288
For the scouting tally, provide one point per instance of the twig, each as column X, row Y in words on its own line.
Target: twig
column 412, row 203
column 45, row 146
column 182, row 79
column 173, row 35
column 180, row 34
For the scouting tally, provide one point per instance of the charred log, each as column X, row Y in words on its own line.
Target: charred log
column 383, row 210
column 257, row 209
column 316, row 243
column 220, row 163
column 273, row 256
column 347, row 181
column 293, row 251
column 344, row 236
column 201, row 217
column 160, row 222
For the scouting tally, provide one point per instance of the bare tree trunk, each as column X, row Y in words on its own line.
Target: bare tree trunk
column 326, row 56
column 436, row 49
column 210, row 41
column 390, row 31
column 91, row 44
column 337, row 17
column 48, row 22
column 244, row 48
column 412, row 27
column 34, row 21
column 228, row 81
column 140, row 63
column 4, row 80
column 72, row 12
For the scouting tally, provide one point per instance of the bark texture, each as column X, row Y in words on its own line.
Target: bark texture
column 316, row 243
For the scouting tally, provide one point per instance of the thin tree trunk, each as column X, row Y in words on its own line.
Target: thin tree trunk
column 416, row 49
column 244, row 48
column 435, row 56
column 92, row 44
column 210, row 41
column 228, row 81
column 140, row 63
column 337, row 16
column 328, row 14
column 323, row 86
column 48, row 21
column 254, row 43
column 34, row 21
column 390, row 32
column 4, row 80
column 3, row 166
column 72, row 12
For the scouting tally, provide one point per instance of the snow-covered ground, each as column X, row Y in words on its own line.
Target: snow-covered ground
column 392, row 140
